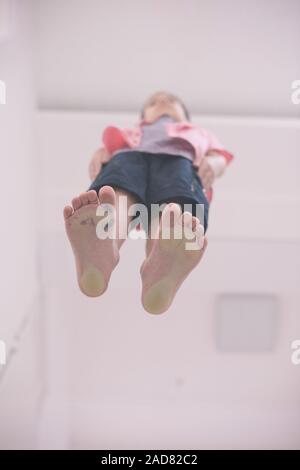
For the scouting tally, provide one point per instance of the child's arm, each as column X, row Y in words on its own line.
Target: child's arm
column 100, row 156
column 212, row 166
column 217, row 162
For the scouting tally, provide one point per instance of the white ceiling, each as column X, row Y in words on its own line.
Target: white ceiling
column 234, row 57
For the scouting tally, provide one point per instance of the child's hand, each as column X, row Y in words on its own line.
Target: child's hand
column 94, row 167
column 206, row 173
column 211, row 167
column 96, row 163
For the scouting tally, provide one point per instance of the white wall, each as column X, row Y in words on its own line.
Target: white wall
column 21, row 378
column 121, row 378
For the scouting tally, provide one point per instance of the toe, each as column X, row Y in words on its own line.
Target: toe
column 68, row 211
column 195, row 223
column 92, row 195
column 84, row 199
column 76, row 203
column 187, row 219
column 107, row 195
column 171, row 214
column 197, row 226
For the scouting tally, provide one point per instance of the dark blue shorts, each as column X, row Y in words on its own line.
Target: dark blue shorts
column 155, row 179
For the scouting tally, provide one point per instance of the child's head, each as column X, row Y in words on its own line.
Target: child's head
column 161, row 103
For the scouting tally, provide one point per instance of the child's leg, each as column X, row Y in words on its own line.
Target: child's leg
column 95, row 258
column 168, row 261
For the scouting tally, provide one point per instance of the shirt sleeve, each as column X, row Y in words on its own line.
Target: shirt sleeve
column 215, row 145
column 113, row 140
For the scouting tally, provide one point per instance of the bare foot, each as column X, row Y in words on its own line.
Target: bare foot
column 169, row 262
column 95, row 258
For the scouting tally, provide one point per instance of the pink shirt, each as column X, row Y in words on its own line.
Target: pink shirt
column 155, row 140
column 201, row 140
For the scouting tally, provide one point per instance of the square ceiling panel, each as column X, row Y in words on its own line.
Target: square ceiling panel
column 246, row 322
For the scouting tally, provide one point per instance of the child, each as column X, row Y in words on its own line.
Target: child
column 166, row 160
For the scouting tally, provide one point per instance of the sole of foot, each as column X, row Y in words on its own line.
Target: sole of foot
column 171, row 258
column 95, row 258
